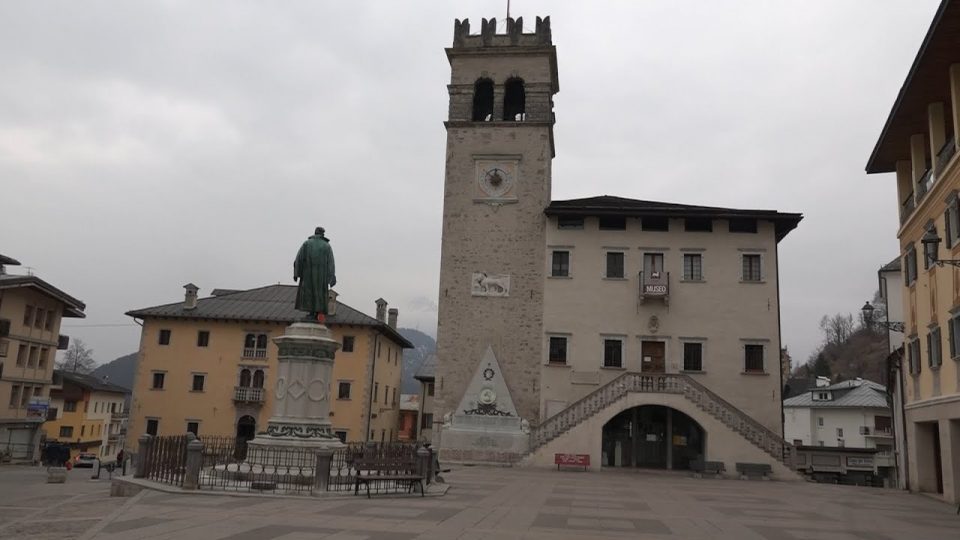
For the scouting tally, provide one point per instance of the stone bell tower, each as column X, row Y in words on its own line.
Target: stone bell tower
column 492, row 267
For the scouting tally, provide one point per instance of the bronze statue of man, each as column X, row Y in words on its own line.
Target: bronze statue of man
column 314, row 269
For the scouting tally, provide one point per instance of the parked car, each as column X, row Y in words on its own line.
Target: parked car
column 85, row 460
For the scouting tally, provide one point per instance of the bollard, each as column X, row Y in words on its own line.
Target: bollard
column 96, row 475
column 321, row 471
column 191, row 477
column 143, row 452
column 431, row 464
column 423, row 463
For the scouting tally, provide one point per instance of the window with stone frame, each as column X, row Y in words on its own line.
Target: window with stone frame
column 343, row 390
column 255, row 345
column 560, row 264
column 613, row 353
column 751, row 267
column 692, row 267
column 558, row 350
column 953, row 335
column 203, row 338
column 193, row 427
column 426, row 421
column 934, row 347
column 158, row 379
column 930, row 251
column 198, row 381
column 66, row 432
column 692, row 356
column 913, row 356
column 951, row 222
column 153, row 426
column 164, row 338
column 910, row 265
column 347, row 344
column 753, row 358
column 615, row 265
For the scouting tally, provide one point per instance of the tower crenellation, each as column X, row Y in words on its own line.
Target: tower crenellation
column 514, row 36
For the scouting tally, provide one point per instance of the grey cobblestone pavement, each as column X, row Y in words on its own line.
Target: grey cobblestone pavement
column 32, row 509
column 503, row 504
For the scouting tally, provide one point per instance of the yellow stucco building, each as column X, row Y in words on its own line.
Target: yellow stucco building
column 30, row 314
column 86, row 413
column 207, row 365
column 919, row 144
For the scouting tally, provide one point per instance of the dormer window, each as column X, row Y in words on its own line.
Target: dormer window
column 821, row 396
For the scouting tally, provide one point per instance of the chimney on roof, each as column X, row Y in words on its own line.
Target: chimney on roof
column 190, row 297
column 392, row 317
column 381, row 310
column 823, row 381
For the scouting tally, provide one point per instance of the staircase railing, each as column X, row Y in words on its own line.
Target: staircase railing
column 665, row 383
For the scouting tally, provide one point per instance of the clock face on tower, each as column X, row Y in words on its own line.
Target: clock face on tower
column 496, row 180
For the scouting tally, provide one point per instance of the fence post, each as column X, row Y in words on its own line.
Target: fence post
column 321, row 471
column 191, row 477
column 143, row 448
column 423, row 462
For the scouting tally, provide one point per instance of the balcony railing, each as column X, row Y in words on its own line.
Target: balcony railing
column 906, row 208
column 881, row 432
column 119, row 416
column 924, row 184
column 654, row 285
column 254, row 353
column 247, row 394
column 944, row 154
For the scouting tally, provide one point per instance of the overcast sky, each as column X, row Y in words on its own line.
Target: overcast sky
column 147, row 145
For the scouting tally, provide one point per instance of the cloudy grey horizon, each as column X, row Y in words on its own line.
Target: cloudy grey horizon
column 147, row 145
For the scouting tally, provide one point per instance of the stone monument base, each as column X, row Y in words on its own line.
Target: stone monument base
column 484, row 439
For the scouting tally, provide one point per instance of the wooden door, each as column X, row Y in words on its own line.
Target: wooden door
column 653, row 357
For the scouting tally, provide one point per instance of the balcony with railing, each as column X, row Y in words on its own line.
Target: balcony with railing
column 944, row 155
column 247, row 394
column 924, row 184
column 906, row 208
column 883, row 433
column 253, row 352
column 654, row 285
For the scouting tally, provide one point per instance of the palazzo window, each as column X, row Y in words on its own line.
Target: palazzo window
column 560, row 265
column 613, row 353
column 615, row 264
column 558, row 350
column 692, row 267
column 753, row 358
column 255, row 346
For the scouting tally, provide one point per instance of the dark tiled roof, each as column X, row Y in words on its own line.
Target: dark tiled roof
column 892, row 266
column 427, row 369
column 608, row 205
column 846, row 394
column 72, row 307
column 91, row 382
column 273, row 303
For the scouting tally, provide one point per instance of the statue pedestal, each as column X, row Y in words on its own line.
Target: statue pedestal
column 301, row 413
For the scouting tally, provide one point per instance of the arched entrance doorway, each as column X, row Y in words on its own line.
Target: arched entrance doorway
column 246, row 430
column 652, row 436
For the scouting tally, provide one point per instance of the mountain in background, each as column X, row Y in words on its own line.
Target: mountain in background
column 120, row 371
column 424, row 346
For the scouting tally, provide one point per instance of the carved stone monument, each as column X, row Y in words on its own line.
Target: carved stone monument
column 486, row 426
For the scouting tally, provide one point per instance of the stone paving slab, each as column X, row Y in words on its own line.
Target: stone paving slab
column 490, row 503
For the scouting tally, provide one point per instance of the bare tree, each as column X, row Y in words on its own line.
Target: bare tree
column 78, row 358
column 837, row 329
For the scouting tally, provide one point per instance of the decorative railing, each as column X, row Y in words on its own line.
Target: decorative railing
column 906, row 208
column 254, row 353
column 654, row 285
column 667, row 383
column 945, row 154
column 248, row 394
column 924, row 184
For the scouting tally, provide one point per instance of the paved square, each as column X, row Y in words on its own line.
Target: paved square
column 485, row 503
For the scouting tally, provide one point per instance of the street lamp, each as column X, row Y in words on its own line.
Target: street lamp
column 868, row 310
column 931, row 249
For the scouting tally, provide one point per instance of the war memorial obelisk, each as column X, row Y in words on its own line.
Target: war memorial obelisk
column 301, row 407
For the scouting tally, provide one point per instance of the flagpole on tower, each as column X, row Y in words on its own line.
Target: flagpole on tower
column 508, row 9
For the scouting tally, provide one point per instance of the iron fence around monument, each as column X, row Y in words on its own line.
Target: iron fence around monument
column 165, row 459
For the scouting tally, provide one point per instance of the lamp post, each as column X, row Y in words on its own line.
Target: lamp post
column 931, row 249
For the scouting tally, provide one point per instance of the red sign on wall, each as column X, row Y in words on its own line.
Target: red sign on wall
column 579, row 460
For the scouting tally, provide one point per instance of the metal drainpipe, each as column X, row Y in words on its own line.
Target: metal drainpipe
column 373, row 369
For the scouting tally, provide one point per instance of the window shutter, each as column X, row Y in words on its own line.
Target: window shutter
column 948, row 226
column 763, row 268
column 703, row 267
column 952, row 336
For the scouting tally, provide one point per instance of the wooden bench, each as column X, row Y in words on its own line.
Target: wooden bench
column 699, row 466
column 377, row 467
column 754, row 470
column 575, row 460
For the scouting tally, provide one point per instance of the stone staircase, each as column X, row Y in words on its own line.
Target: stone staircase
column 666, row 383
